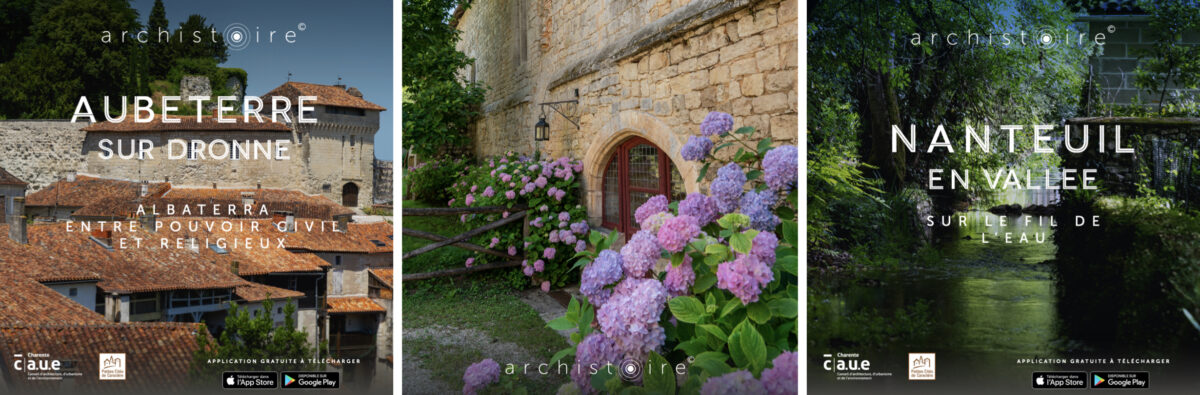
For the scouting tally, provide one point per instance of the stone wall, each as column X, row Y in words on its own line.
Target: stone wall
column 1113, row 68
column 383, row 181
column 651, row 69
column 41, row 151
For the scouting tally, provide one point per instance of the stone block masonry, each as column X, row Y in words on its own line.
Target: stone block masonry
column 650, row 69
column 41, row 152
column 1113, row 67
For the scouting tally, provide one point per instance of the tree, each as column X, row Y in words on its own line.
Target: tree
column 254, row 336
column 1169, row 62
column 439, row 106
column 198, row 40
column 159, row 51
column 63, row 58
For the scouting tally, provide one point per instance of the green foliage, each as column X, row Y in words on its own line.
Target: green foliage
column 1169, row 63
column 1139, row 268
column 159, row 52
column 253, row 335
column 53, row 52
column 542, row 212
column 430, row 181
column 62, row 59
column 439, row 106
column 831, row 326
column 210, row 45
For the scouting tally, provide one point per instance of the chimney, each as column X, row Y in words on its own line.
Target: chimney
column 16, row 222
column 148, row 222
column 354, row 92
column 104, row 236
column 145, row 189
column 247, row 198
column 291, row 222
column 343, row 223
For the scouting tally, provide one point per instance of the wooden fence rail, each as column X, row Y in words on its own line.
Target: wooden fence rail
column 460, row 240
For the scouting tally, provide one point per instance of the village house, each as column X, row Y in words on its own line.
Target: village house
column 621, row 85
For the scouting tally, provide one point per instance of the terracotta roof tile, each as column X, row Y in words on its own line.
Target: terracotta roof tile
column 128, row 270
column 384, row 275
column 368, row 238
column 38, row 264
column 255, row 292
column 88, row 190
column 188, row 123
column 327, row 95
column 353, row 304
column 158, row 356
column 25, row 302
column 7, row 178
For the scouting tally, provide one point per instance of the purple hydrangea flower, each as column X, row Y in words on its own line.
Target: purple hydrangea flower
column 739, row 382
column 480, row 375
column 764, row 246
column 566, row 237
column 537, row 222
column 473, row 187
column 505, row 177
column 780, row 167
column 564, row 216
column 580, row 246
column 696, row 149
column 744, row 277
column 451, row 202
column 470, row 199
column 603, row 271
column 541, row 182
column 757, row 206
column 593, row 353
column 550, row 192
column 780, row 378
column 640, row 254
column 470, row 261
column 580, row 227
column 495, row 240
column 512, row 250
column 510, row 195
column 655, row 205
column 727, row 187
column 680, row 278
column 489, row 192
column 528, row 270
column 553, row 237
column 539, row 266
column 549, row 252
column 716, row 123
column 545, row 286
column 676, row 232
column 525, row 178
column 630, row 316
column 559, row 195
column 699, row 206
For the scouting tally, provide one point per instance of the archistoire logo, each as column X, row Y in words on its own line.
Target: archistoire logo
column 236, row 36
column 1042, row 37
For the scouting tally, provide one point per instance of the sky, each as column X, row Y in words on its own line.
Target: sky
column 350, row 39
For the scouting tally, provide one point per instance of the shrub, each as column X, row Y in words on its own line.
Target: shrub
column 711, row 280
column 548, row 190
column 430, row 181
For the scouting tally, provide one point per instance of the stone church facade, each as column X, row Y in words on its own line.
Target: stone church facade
column 334, row 157
column 644, row 73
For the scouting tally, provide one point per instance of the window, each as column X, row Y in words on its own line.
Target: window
column 345, row 111
column 636, row 171
column 337, row 260
column 73, row 292
column 193, row 148
column 235, row 150
column 143, row 303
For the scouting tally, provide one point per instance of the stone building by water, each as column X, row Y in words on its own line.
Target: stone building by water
column 644, row 75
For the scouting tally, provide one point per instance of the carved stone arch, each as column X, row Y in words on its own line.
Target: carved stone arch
column 619, row 128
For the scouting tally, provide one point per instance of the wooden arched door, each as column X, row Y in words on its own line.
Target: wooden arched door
column 350, row 195
column 636, row 171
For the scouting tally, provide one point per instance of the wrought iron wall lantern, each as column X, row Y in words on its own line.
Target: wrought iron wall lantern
column 569, row 109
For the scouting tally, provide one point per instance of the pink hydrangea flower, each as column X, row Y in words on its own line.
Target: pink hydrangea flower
column 470, row 261
column 549, row 252
column 470, row 199
column 512, row 250
column 676, row 232
column 545, row 286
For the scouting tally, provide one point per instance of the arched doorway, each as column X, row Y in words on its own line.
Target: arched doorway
column 350, row 195
column 636, row 171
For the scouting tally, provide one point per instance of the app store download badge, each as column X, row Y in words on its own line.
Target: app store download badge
column 311, row 380
column 1060, row 380
column 1127, row 380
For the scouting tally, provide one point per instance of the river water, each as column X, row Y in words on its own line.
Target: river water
column 990, row 306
